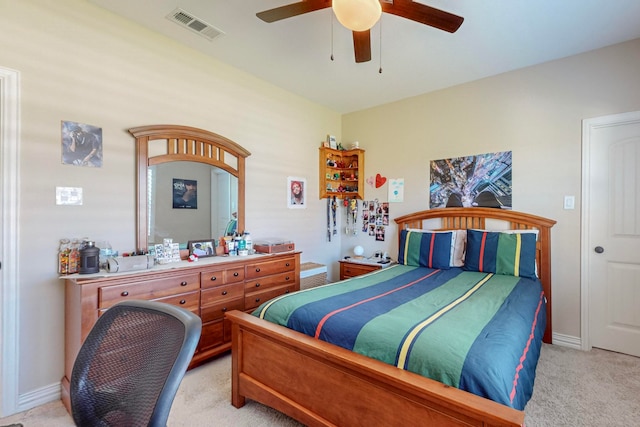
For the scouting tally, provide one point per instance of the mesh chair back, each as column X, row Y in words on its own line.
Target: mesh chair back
column 129, row 368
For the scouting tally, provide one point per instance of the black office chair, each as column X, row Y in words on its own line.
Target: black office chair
column 129, row 368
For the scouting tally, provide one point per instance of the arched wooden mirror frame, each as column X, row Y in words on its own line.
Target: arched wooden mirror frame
column 184, row 144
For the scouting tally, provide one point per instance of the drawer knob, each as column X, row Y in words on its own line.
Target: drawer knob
column 286, row 278
column 257, row 270
column 257, row 285
column 125, row 294
column 235, row 274
column 183, row 301
column 287, row 291
column 224, row 292
column 224, row 309
column 257, row 299
column 287, row 264
column 183, row 284
column 214, row 278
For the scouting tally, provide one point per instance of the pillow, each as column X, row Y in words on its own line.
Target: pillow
column 505, row 253
column 533, row 231
column 458, row 244
column 425, row 249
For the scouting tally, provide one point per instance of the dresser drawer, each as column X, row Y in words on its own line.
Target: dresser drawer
column 254, row 299
column 348, row 269
column 212, row 295
column 260, row 269
column 217, row 309
column 212, row 335
column 222, row 277
column 151, row 289
column 261, row 283
column 189, row 301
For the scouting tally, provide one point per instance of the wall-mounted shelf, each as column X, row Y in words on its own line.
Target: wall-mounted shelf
column 341, row 173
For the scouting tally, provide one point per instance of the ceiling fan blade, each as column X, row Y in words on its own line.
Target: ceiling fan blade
column 362, row 45
column 423, row 14
column 294, row 9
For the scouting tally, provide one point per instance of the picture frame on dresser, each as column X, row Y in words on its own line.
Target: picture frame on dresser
column 202, row 248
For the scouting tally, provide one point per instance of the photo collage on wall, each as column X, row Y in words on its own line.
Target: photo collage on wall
column 375, row 218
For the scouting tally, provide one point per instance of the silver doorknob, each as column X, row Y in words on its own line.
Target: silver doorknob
column 599, row 249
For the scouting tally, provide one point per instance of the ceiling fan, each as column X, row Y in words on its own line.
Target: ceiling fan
column 362, row 38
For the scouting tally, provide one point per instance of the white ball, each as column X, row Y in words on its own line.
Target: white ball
column 358, row 250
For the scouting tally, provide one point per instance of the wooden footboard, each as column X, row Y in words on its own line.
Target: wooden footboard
column 320, row 384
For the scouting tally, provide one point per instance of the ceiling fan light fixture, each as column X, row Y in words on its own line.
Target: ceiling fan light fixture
column 357, row 15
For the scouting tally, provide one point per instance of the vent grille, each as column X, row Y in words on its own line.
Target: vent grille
column 198, row 26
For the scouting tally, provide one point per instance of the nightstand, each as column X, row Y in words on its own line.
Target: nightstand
column 351, row 267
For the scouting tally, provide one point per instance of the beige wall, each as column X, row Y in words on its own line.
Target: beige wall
column 81, row 63
column 536, row 113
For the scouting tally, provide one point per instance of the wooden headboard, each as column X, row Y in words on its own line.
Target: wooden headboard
column 493, row 219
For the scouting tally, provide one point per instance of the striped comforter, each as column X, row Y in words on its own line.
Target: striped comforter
column 479, row 332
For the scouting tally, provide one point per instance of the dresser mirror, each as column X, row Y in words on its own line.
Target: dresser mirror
column 190, row 184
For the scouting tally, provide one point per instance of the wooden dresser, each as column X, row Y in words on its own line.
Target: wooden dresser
column 208, row 288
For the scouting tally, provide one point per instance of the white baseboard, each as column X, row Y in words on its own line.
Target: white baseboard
column 567, row 341
column 39, row 397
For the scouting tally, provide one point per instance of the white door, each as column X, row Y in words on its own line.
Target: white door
column 611, row 221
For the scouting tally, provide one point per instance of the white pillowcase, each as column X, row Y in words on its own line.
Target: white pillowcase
column 458, row 244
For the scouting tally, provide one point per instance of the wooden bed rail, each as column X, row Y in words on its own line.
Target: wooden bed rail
column 327, row 385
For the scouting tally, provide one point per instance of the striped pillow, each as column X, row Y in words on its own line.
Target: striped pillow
column 420, row 249
column 511, row 254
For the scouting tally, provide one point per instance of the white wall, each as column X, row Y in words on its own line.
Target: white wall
column 536, row 113
column 83, row 64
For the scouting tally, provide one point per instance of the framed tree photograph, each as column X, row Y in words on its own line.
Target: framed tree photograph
column 296, row 192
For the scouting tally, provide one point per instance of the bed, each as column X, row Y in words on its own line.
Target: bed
column 324, row 383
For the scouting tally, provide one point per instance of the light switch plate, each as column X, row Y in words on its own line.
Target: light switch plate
column 569, row 202
column 69, row 196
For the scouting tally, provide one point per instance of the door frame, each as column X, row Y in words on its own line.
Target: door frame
column 589, row 125
column 9, row 203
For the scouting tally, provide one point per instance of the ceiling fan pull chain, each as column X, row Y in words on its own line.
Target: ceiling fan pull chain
column 380, row 57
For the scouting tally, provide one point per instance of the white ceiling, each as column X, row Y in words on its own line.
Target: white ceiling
column 496, row 36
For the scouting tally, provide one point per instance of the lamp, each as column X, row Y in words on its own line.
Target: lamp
column 357, row 15
column 358, row 251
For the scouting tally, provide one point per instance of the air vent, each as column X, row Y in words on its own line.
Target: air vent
column 187, row 20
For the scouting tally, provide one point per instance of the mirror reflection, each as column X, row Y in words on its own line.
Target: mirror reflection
column 190, row 201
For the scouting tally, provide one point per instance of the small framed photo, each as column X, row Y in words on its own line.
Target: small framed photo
column 202, row 248
column 296, row 192
column 332, row 142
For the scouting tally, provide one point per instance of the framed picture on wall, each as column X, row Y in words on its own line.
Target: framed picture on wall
column 81, row 144
column 296, row 192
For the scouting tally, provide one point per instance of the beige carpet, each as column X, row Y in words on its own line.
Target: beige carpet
column 573, row 388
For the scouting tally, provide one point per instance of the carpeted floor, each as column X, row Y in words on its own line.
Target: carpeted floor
column 573, row 388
